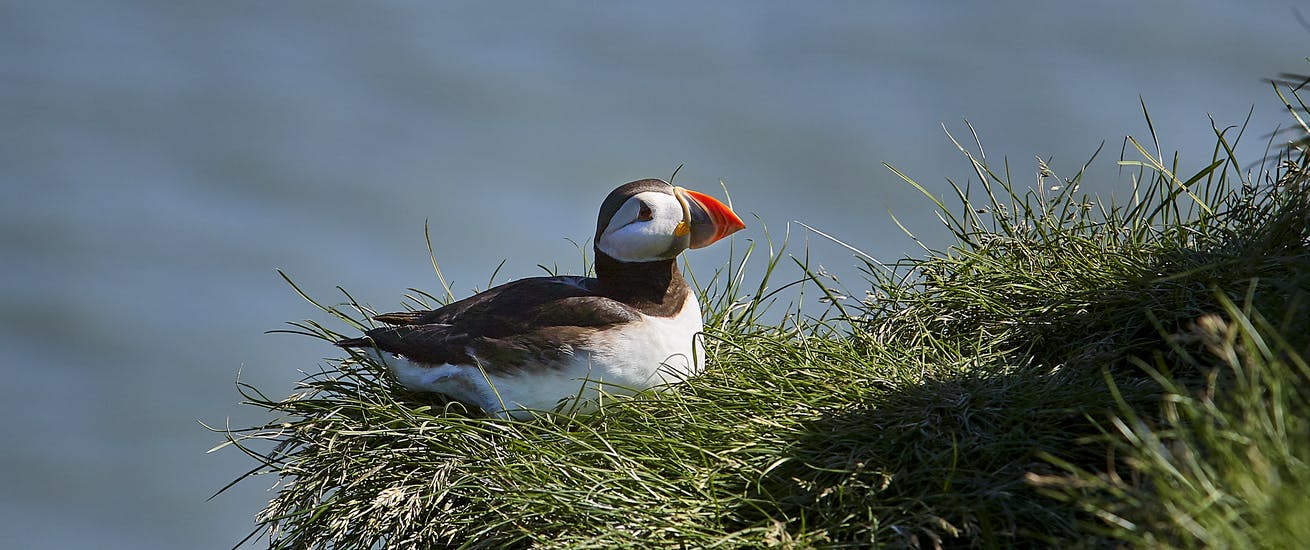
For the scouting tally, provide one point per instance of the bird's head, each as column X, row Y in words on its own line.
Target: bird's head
column 650, row 220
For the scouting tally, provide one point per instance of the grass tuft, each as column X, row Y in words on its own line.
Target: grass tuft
column 1070, row 371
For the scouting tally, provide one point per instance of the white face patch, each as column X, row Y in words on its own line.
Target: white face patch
column 630, row 238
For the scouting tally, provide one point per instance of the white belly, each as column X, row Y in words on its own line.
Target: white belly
column 652, row 352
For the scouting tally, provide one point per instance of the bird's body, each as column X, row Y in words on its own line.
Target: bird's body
column 536, row 343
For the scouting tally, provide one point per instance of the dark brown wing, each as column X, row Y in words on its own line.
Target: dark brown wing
column 516, row 325
column 536, row 300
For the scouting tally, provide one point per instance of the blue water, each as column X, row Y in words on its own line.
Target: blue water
column 158, row 160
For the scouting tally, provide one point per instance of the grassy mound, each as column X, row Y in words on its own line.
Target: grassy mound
column 1069, row 371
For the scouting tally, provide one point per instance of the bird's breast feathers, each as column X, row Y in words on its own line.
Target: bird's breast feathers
column 653, row 350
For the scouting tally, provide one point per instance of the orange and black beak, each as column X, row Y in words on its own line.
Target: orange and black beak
column 705, row 218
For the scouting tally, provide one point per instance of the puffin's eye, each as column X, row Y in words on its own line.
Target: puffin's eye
column 645, row 214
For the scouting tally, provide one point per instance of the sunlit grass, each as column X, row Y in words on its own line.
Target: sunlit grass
column 1070, row 370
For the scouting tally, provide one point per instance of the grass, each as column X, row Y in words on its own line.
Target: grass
column 1069, row 371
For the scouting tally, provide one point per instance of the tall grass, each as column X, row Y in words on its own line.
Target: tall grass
column 1070, row 370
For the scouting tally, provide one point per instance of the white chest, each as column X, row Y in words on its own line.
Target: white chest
column 654, row 351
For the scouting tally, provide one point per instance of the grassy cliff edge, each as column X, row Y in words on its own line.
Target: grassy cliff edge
column 1070, row 370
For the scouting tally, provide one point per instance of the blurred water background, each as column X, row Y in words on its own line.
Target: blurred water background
column 159, row 159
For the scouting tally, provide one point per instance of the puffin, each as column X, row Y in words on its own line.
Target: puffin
column 552, row 343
